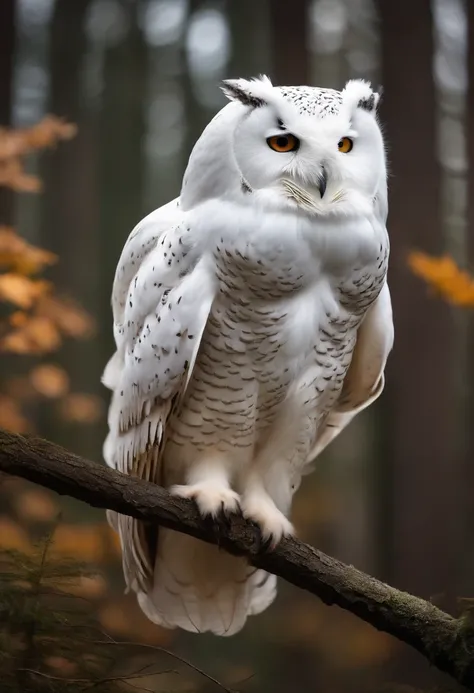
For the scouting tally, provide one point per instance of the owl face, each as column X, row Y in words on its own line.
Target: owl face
column 317, row 150
column 312, row 151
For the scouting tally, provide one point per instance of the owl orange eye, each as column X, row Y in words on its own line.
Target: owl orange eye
column 345, row 145
column 283, row 143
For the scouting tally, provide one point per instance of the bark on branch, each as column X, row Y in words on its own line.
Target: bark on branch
column 446, row 642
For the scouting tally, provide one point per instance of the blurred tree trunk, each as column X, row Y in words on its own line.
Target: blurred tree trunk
column 250, row 33
column 7, row 55
column 69, row 218
column 66, row 215
column 122, row 168
column 470, row 244
column 197, row 115
column 289, row 31
column 69, row 223
column 470, row 124
column 421, row 495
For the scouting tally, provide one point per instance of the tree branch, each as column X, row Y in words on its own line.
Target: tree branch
column 446, row 642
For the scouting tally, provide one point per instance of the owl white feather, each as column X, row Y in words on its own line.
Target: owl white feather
column 252, row 321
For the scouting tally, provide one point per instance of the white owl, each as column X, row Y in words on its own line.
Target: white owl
column 252, row 321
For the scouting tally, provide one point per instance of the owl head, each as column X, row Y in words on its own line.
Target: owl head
column 316, row 151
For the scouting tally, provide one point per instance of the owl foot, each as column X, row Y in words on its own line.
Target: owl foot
column 211, row 498
column 272, row 523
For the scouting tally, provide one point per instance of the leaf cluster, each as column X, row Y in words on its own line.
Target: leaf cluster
column 444, row 278
column 34, row 318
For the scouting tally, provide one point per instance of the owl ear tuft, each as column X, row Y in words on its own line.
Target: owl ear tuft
column 249, row 92
column 359, row 93
column 371, row 104
column 368, row 104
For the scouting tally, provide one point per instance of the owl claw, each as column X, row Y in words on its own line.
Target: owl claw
column 272, row 523
column 215, row 525
column 266, row 545
column 212, row 499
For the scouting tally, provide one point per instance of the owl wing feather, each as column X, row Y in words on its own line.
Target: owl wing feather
column 162, row 294
column 365, row 378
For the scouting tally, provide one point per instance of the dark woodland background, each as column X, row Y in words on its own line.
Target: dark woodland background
column 394, row 495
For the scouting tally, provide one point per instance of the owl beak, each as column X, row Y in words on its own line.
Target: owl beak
column 322, row 182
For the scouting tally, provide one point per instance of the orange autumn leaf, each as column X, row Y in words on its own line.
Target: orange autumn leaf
column 18, row 255
column 443, row 276
column 12, row 536
column 20, row 290
column 16, row 143
column 81, row 408
column 46, row 133
column 14, row 177
column 34, row 319
column 88, row 586
column 114, row 619
column 16, row 343
column 69, row 317
column 38, row 336
column 11, row 417
column 43, row 334
column 18, row 318
column 35, row 505
column 90, row 543
column 50, row 380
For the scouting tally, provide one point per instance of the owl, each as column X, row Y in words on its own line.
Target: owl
column 252, row 321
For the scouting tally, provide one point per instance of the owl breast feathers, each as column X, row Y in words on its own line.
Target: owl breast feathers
column 252, row 321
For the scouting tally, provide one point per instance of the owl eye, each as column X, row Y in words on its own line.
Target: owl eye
column 283, row 143
column 345, row 145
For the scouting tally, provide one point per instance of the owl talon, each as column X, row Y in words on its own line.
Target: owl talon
column 266, row 545
column 272, row 523
column 221, row 524
column 212, row 500
column 213, row 524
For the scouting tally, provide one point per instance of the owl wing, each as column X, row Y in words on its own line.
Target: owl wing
column 365, row 379
column 162, row 295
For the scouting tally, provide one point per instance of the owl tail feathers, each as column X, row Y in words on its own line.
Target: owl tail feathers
column 200, row 588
